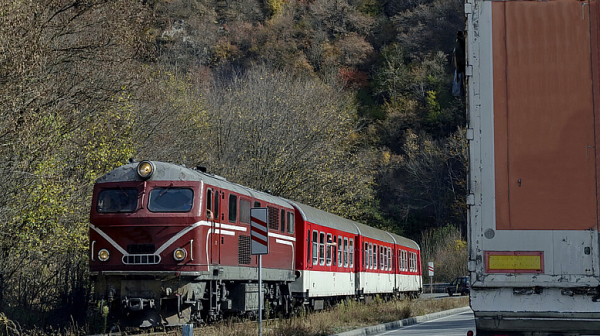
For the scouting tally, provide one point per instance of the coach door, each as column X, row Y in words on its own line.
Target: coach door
column 215, row 250
column 358, row 255
column 309, row 264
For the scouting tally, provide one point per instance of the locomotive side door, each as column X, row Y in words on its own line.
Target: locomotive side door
column 215, row 253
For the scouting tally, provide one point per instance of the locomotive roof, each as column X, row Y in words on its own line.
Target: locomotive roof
column 173, row 172
column 314, row 215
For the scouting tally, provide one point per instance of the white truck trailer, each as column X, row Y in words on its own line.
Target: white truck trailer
column 533, row 96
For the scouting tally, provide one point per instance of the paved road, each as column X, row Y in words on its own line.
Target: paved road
column 439, row 296
column 453, row 325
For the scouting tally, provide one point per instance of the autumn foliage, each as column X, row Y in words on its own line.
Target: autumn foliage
column 343, row 105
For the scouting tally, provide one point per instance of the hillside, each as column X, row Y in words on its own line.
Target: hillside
column 345, row 105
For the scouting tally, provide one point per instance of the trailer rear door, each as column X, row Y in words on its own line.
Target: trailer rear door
column 545, row 146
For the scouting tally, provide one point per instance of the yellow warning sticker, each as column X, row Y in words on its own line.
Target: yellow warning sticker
column 514, row 262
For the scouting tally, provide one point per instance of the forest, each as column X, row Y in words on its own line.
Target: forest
column 344, row 105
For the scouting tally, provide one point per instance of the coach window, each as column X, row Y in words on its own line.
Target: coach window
column 375, row 256
column 232, row 208
column 321, row 249
column 401, row 264
column 402, row 261
column 340, row 252
column 371, row 256
column 315, row 248
column 282, row 219
column 351, row 252
column 381, row 259
column 385, row 261
column 290, row 221
column 389, row 259
column 329, row 243
column 366, row 259
column 334, row 252
column 345, row 252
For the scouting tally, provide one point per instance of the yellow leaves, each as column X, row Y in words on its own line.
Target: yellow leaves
column 274, row 6
column 459, row 245
column 385, row 157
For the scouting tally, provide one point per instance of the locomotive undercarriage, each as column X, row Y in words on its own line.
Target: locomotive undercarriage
column 150, row 299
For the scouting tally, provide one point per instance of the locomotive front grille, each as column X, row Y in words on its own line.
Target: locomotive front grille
column 141, row 259
column 141, row 248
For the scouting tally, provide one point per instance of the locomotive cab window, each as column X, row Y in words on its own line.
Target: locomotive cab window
column 232, row 208
column 244, row 211
column 290, row 221
column 117, row 200
column 217, row 208
column 209, row 204
column 170, row 199
column 282, row 219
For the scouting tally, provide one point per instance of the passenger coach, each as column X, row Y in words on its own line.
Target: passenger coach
column 341, row 257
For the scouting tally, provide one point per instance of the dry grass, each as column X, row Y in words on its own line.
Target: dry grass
column 340, row 318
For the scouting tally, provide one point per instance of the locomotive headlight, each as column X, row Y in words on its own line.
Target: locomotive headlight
column 145, row 169
column 179, row 254
column 103, row 255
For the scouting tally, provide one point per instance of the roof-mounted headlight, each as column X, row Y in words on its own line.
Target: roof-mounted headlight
column 145, row 169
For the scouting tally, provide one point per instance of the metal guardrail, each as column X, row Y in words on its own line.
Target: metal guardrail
column 437, row 288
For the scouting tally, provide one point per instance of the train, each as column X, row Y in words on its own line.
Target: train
column 171, row 245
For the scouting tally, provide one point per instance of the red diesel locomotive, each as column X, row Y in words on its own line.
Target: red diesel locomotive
column 171, row 245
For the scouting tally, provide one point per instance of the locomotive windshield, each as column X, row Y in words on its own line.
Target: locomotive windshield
column 171, row 200
column 117, row 200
